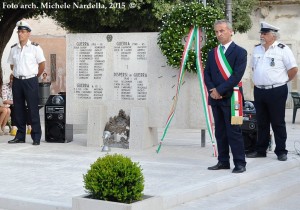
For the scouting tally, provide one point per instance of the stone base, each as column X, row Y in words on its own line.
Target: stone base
column 96, row 124
column 141, row 135
column 148, row 203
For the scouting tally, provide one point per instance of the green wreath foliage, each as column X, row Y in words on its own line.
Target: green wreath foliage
column 177, row 25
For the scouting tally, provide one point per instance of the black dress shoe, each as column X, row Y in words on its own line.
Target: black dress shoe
column 219, row 166
column 282, row 157
column 15, row 141
column 36, row 143
column 256, row 155
column 239, row 169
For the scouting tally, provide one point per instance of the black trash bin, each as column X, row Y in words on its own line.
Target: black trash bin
column 44, row 92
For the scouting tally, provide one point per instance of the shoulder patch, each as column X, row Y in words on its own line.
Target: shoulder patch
column 14, row 45
column 281, row 45
column 257, row 45
column 34, row 43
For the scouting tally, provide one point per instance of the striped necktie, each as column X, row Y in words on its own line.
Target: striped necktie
column 223, row 47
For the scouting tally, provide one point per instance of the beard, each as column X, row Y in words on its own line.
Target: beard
column 262, row 41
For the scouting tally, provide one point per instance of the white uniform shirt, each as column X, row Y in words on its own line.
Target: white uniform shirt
column 270, row 67
column 26, row 60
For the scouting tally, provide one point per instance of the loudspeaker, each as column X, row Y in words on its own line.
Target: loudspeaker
column 56, row 129
column 249, row 127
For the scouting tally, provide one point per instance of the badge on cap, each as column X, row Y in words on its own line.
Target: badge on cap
column 266, row 27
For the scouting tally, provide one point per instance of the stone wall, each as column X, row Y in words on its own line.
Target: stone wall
column 54, row 48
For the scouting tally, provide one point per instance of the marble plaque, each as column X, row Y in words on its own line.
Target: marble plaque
column 128, row 67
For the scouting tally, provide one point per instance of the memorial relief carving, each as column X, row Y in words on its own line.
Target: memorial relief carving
column 119, row 127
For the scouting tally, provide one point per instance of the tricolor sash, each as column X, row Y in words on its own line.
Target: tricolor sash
column 236, row 98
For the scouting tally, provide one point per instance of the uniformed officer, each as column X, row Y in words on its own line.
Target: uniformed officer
column 273, row 65
column 27, row 62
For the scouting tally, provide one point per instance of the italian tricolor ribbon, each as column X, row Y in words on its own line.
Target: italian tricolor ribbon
column 236, row 98
column 194, row 35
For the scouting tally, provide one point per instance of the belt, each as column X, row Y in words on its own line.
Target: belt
column 25, row 77
column 264, row 87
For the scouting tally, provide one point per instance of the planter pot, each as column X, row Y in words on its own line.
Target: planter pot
column 85, row 203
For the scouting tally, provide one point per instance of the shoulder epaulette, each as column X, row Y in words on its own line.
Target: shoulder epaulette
column 34, row 43
column 257, row 45
column 14, row 45
column 281, row 45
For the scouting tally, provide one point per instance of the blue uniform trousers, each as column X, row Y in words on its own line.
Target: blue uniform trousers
column 270, row 109
column 26, row 91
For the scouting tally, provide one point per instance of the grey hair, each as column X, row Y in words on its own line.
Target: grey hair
column 228, row 24
column 276, row 34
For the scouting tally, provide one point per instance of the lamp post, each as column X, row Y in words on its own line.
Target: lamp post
column 229, row 10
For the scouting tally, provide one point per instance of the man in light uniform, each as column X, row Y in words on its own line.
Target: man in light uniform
column 27, row 62
column 273, row 65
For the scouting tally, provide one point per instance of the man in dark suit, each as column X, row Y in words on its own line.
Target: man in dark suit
column 227, row 133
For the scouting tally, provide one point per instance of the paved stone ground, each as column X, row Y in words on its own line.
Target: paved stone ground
column 46, row 177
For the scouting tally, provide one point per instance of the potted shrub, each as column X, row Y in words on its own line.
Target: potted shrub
column 113, row 182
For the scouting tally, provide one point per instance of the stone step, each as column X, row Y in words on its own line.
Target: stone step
column 290, row 202
column 263, row 193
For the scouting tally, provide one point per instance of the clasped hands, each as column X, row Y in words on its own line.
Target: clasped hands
column 215, row 94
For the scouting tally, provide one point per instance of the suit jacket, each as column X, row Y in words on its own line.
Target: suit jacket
column 237, row 59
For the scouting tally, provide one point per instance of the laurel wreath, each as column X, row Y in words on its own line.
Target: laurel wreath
column 176, row 26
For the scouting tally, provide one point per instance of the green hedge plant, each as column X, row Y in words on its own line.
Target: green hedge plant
column 115, row 178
